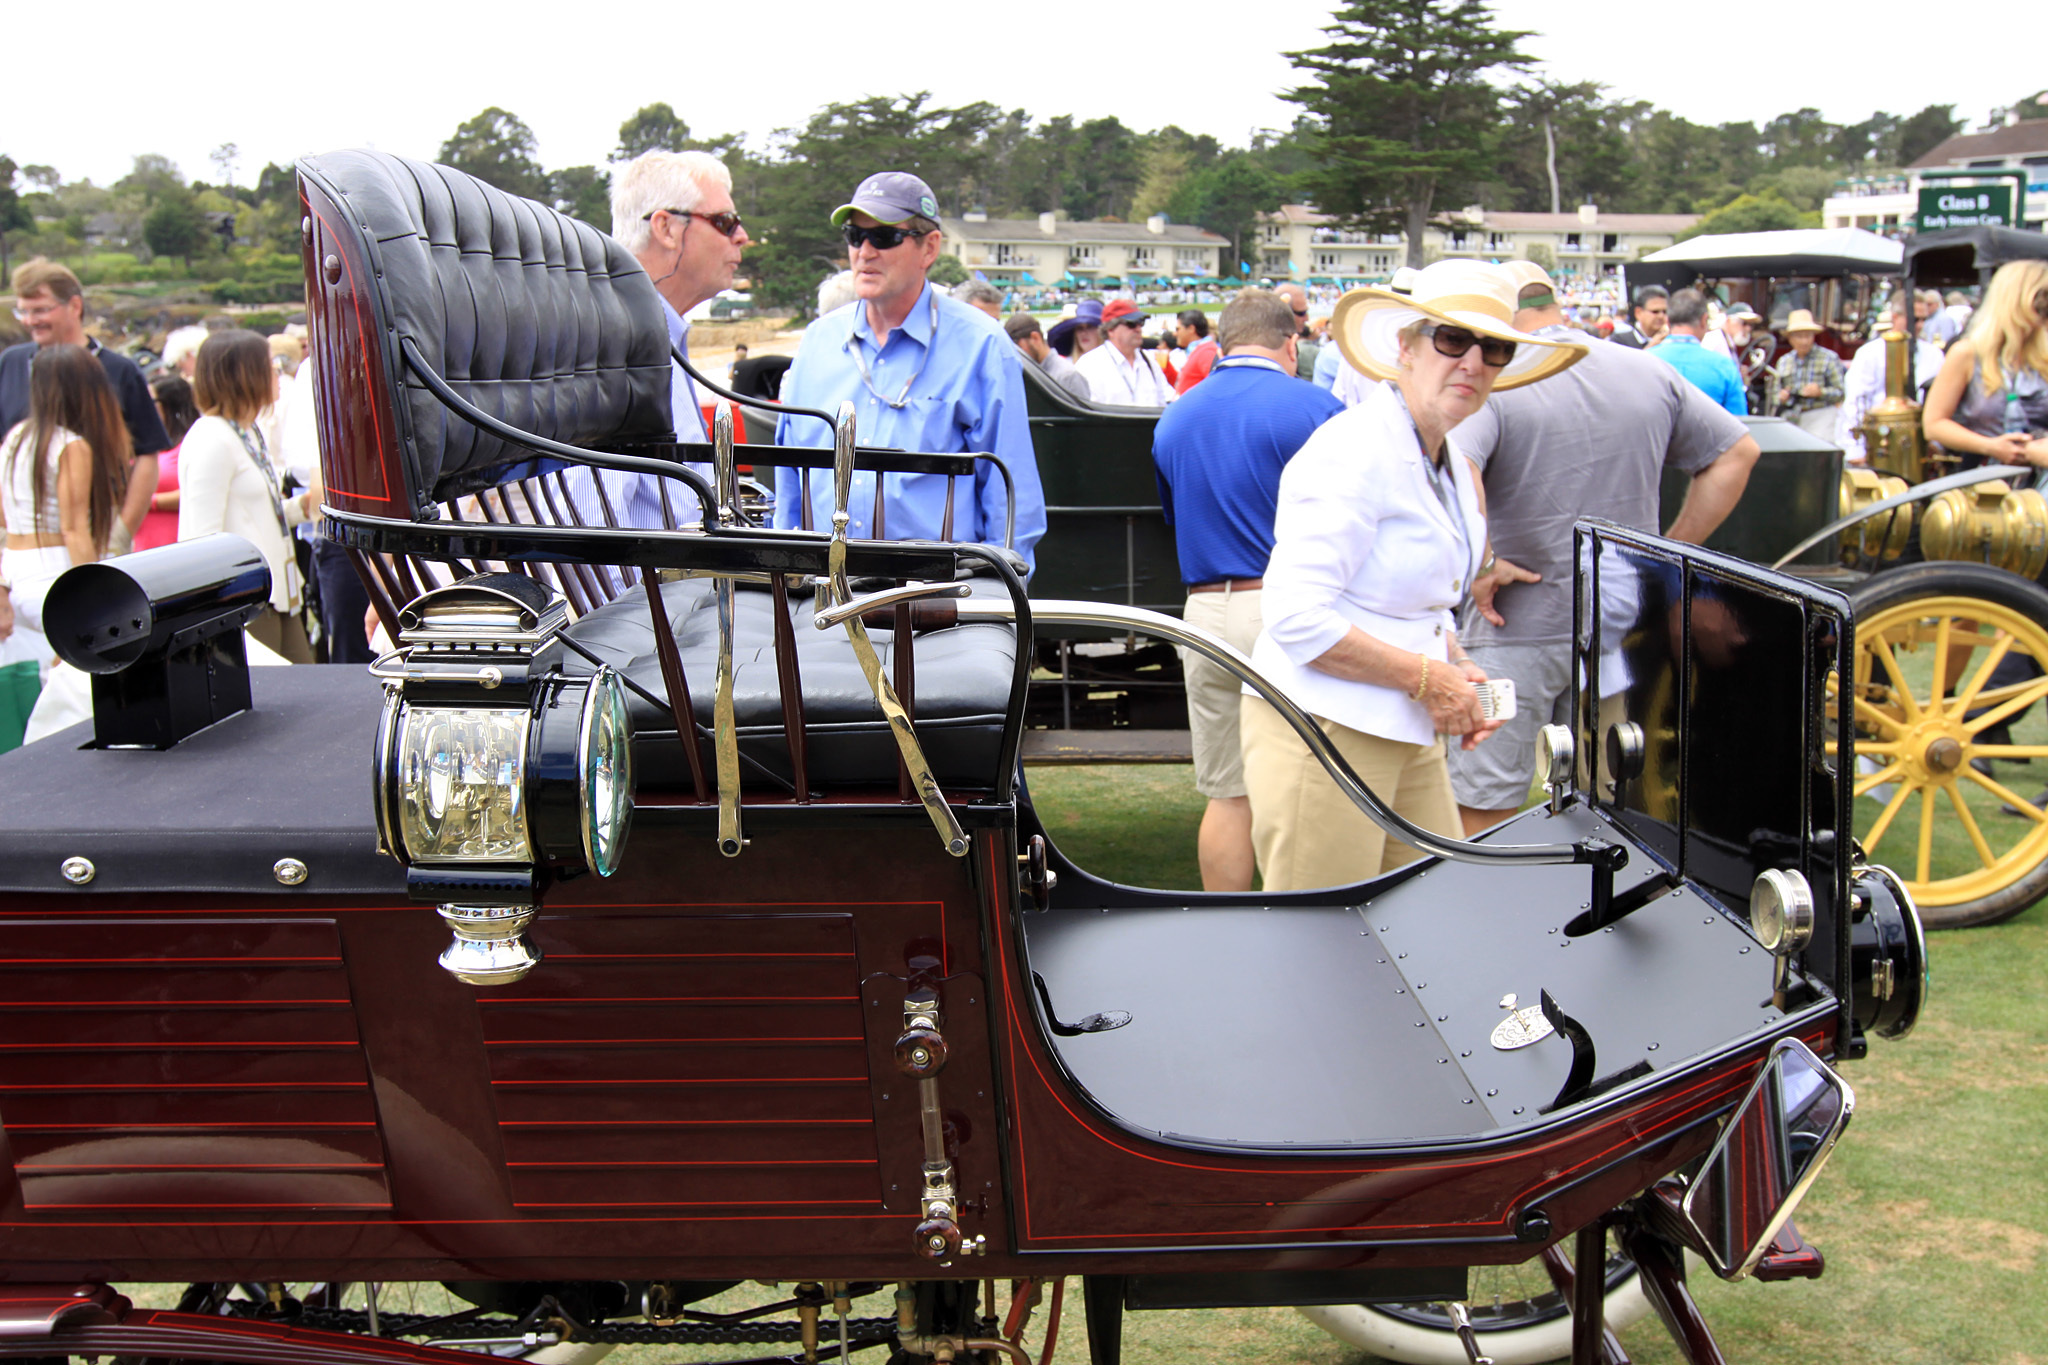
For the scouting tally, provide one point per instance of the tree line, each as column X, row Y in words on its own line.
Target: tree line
column 1410, row 110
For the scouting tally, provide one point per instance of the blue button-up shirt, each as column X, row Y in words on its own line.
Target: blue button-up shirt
column 966, row 393
column 636, row 498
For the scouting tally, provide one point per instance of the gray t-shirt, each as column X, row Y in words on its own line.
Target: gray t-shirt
column 1591, row 442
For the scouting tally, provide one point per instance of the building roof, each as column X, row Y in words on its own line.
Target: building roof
column 1027, row 230
column 1521, row 222
column 1602, row 222
column 2028, row 137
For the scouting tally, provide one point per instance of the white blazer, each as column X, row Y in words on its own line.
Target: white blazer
column 221, row 489
column 1361, row 539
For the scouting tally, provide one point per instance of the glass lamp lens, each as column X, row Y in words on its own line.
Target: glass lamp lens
column 462, row 782
column 607, row 776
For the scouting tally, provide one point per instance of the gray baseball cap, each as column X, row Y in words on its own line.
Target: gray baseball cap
column 889, row 197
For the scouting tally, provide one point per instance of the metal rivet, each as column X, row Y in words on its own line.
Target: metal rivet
column 1518, row 1109
column 1491, row 1093
column 1466, row 1053
column 79, row 871
column 289, row 871
column 1443, row 1018
column 330, row 269
column 306, row 229
column 1653, row 1047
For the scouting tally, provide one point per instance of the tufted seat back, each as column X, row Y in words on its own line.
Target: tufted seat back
column 540, row 320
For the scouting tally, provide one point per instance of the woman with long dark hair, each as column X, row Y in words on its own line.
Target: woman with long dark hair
column 63, row 470
column 174, row 404
column 229, row 483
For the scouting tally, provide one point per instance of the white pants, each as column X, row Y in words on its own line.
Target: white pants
column 31, row 571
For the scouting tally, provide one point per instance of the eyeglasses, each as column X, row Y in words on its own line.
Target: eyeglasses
column 1454, row 342
column 1137, row 324
column 726, row 225
column 883, row 236
column 36, row 312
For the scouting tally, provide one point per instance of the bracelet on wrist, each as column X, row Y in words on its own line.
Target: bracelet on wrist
column 1422, row 684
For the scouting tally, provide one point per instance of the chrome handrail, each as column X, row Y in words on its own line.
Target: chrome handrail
column 1223, row 654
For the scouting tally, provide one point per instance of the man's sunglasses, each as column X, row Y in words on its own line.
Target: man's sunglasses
column 726, row 225
column 1456, row 341
column 884, row 236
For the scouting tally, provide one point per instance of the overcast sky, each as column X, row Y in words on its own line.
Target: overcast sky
column 288, row 80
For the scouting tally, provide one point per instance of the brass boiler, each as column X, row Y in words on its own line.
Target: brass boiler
column 1987, row 523
column 1892, row 439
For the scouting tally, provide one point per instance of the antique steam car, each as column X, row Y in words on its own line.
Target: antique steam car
column 666, row 911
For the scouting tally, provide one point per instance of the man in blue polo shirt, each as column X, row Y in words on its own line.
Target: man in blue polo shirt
column 1220, row 451
column 1712, row 373
column 924, row 372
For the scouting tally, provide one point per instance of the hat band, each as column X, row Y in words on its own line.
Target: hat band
column 1465, row 303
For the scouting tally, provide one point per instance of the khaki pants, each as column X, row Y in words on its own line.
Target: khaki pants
column 1306, row 832
column 282, row 634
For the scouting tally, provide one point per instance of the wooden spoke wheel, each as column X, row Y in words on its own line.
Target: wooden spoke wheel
column 1948, row 656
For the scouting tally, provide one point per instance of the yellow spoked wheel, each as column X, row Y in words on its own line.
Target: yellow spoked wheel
column 1948, row 656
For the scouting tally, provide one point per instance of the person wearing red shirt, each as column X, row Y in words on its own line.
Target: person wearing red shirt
column 1192, row 336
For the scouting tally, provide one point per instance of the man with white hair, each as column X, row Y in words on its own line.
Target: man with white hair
column 181, row 350
column 981, row 294
column 674, row 212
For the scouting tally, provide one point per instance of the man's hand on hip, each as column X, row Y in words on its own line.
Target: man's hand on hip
column 1493, row 580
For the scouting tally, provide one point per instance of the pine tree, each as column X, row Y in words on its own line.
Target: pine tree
column 1405, row 109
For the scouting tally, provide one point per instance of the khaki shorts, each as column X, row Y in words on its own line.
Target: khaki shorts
column 1214, row 691
column 1306, row 831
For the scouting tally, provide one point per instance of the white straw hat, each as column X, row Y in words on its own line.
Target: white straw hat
column 1472, row 294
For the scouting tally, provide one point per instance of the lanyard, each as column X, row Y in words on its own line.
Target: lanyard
column 1439, row 477
column 259, row 455
column 852, row 344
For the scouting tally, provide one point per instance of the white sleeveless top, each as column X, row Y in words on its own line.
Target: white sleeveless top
column 17, row 487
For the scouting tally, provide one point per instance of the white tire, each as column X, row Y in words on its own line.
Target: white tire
column 1512, row 1330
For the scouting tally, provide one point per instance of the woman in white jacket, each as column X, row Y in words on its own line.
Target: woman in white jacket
column 228, row 482
column 1377, row 538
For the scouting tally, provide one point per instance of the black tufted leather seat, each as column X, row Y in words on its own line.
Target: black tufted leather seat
column 540, row 320
column 961, row 697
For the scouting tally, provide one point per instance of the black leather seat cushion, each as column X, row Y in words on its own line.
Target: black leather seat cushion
column 540, row 320
column 960, row 698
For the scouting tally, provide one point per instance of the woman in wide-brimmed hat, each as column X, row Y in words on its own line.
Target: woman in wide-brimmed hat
column 1378, row 536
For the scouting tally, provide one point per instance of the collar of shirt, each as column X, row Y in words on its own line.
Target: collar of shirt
column 1248, row 362
column 917, row 326
column 1679, row 339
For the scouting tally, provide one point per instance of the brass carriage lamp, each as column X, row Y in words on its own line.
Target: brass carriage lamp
column 497, row 772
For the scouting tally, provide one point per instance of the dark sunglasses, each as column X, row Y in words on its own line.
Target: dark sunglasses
column 882, row 235
column 1456, row 341
column 726, row 225
column 1138, row 323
